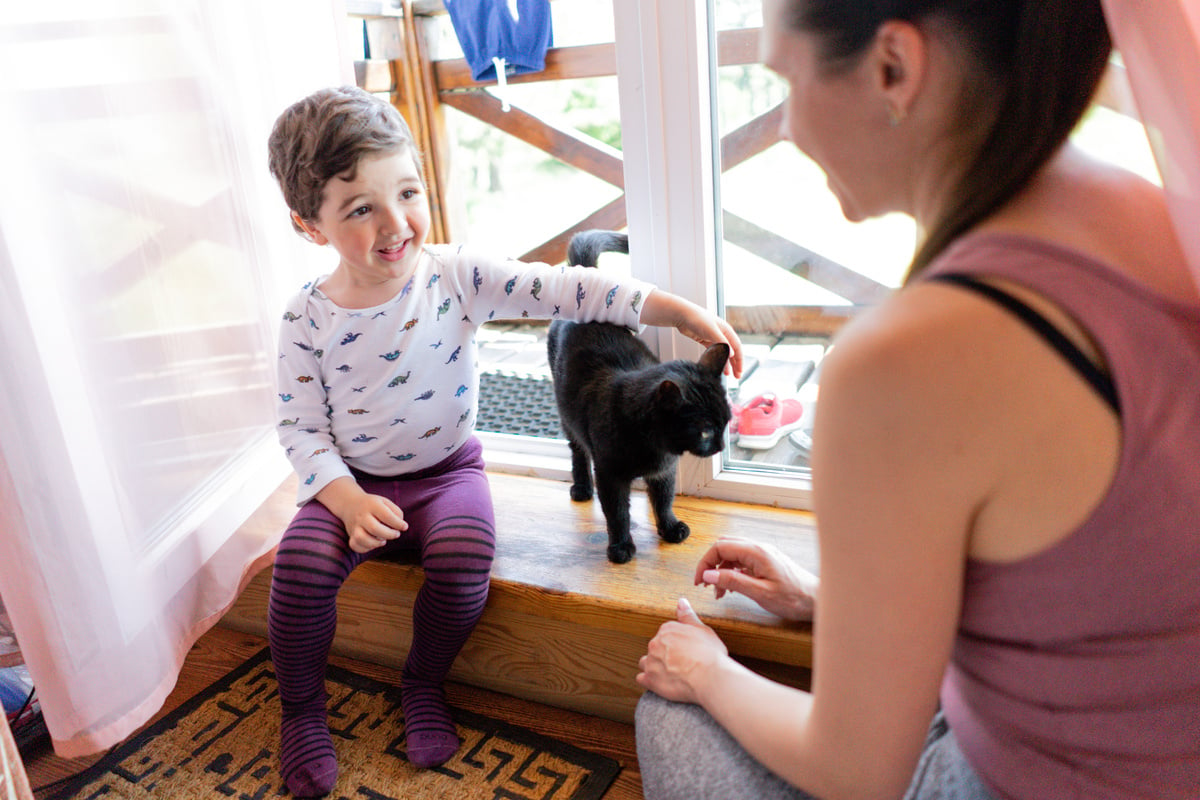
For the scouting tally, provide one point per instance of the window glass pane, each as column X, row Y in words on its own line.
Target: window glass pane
column 512, row 191
column 508, row 194
column 791, row 268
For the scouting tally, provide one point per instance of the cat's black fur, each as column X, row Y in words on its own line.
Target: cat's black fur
column 629, row 415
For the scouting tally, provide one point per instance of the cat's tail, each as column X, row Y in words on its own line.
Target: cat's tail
column 586, row 246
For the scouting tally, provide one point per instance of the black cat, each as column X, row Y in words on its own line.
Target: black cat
column 628, row 414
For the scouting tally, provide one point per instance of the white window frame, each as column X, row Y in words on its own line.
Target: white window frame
column 664, row 74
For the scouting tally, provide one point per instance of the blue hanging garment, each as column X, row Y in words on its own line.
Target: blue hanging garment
column 491, row 36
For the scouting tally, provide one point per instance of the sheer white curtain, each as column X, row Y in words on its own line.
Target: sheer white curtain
column 1159, row 41
column 144, row 255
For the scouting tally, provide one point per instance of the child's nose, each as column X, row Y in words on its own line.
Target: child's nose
column 394, row 220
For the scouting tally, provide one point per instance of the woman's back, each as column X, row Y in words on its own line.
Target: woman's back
column 1074, row 667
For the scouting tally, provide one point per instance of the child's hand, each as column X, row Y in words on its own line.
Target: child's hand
column 708, row 329
column 371, row 521
column 665, row 309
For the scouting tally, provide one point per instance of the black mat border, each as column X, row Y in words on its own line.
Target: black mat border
column 603, row 769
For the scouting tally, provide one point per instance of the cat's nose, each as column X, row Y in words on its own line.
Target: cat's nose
column 711, row 443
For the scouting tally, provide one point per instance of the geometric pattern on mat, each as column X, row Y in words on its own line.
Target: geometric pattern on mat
column 518, row 404
column 224, row 743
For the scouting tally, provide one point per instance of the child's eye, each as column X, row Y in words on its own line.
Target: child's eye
column 409, row 194
column 360, row 211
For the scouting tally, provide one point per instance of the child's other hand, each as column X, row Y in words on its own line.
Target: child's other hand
column 374, row 521
column 371, row 521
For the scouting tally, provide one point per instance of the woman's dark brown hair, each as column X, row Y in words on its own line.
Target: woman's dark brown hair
column 1038, row 61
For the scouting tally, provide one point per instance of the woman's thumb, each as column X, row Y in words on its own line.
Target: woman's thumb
column 685, row 613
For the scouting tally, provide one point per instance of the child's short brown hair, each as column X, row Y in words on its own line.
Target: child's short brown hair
column 324, row 136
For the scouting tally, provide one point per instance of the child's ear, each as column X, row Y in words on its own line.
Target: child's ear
column 314, row 235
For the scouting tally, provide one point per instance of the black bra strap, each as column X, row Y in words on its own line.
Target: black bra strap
column 1098, row 380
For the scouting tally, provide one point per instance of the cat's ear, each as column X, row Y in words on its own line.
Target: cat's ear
column 714, row 358
column 668, row 394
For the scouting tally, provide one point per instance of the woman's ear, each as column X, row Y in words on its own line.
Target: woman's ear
column 314, row 235
column 901, row 59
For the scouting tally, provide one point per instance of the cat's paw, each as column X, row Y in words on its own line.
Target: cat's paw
column 580, row 493
column 675, row 532
column 621, row 552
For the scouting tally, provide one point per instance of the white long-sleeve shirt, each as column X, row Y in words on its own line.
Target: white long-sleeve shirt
column 395, row 388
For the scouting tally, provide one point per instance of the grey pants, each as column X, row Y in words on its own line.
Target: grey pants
column 684, row 754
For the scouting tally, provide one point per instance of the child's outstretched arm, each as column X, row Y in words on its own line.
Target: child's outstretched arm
column 664, row 309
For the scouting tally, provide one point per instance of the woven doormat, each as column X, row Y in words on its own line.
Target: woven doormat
column 224, row 743
column 518, row 404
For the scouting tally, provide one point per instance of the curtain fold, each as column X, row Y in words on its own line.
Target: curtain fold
column 1159, row 41
column 144, row 256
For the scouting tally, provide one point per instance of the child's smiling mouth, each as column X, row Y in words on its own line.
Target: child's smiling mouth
column 394, row 252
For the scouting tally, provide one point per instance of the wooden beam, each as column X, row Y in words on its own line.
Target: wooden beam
column 428, row 8
column 751, row 139
column 610, row 217
column 800, row 261
column 738, row 47
column 823, row 321
column 416, row 73
column 566, row 144
column 592, row 61
column 375, row 76
column 374, row 8
column 584, row 61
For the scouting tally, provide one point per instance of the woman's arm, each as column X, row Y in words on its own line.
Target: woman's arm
column 901, row 465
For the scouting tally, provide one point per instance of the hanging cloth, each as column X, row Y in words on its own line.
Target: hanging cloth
column 1159, row 41
column 492, row 35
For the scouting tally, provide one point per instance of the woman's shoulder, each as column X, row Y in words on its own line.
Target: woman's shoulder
column 1107, row 214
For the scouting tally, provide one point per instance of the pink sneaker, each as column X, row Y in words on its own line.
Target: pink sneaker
column 766, row 420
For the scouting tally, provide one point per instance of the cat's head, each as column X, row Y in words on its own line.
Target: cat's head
column 693, row 410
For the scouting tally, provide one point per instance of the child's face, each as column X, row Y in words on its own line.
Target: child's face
column 377, row 222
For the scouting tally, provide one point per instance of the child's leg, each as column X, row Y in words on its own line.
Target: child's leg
column 311, row 564
column 454, row 517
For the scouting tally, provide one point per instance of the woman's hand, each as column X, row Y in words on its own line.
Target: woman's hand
column 761, row 572
column 681, row 656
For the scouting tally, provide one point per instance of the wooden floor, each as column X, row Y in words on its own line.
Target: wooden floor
column 221, row 649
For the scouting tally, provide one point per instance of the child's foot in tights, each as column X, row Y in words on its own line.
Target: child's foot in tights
column 308, row 761
column 431, row 735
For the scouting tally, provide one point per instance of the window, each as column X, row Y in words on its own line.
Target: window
column 707, row 182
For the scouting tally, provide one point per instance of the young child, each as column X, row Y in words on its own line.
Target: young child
column 378, row 392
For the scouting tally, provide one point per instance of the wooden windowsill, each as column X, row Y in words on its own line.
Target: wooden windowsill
column 563, row 625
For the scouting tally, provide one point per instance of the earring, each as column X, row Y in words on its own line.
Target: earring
column 895, row 116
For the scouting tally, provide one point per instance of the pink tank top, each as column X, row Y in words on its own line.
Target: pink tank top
column 1076, row 672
